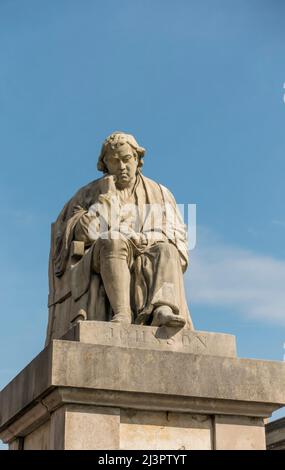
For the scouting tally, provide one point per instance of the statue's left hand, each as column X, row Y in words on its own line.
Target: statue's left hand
column 139, row 239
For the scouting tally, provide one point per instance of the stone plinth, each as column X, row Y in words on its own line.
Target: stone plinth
column 159, row 339
column 275, row 434
column 107, row 386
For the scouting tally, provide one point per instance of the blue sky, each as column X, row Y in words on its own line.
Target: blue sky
column 200, row 85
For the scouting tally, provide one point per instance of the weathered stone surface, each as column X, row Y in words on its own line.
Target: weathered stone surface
column 79, row 427
column 151, row 397
column 16, row 444
column 239, row 433
column 149, row 371
column 163, row 430
column 27, row 386
column 147, row 337
column 39, row 439
column 121, row 376
column 275, row 434
column 82, row 423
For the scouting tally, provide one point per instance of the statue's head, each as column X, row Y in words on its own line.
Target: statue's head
column 121, row 156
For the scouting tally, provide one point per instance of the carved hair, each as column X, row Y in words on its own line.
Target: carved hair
column 115, row 140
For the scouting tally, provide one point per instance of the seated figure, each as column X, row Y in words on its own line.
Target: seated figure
column 118, row 249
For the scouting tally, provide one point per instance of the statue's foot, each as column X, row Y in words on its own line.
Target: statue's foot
column 122, row 318
column 163, row 316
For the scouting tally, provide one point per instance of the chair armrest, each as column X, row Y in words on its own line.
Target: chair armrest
column 77, row 250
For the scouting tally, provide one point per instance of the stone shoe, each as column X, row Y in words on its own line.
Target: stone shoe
column 163, row 316
column 122, row 318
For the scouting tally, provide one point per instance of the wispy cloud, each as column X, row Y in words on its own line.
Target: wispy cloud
column 240, row 280
column 279, row 223
column 19, row 216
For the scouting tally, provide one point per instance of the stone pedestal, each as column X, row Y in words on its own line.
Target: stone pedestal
column 275, row 434
column 107, row 386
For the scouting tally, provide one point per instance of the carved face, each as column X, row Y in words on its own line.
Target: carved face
column 122, row 163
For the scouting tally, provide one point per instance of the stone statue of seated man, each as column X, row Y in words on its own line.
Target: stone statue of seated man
column 118, row 248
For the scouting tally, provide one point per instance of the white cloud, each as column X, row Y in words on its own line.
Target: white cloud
column 279, row 223
column 237, row 279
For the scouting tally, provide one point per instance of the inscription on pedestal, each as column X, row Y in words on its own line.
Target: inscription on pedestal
column 163, row 338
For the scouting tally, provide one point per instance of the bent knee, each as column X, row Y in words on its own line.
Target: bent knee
column 167, row 250
column 113, row 241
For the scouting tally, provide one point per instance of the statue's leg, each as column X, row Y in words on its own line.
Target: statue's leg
column 161, row 268
column 111, row 259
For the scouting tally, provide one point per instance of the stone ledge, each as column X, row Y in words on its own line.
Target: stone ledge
column 275, row 434
column 41, row 410
column 147, row 337
column 123, row 374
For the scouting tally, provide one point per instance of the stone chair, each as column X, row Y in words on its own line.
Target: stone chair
column 68, row 302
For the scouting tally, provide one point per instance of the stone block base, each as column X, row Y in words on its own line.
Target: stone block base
column 87, row 427
column 275, row 434
column 85, row 393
